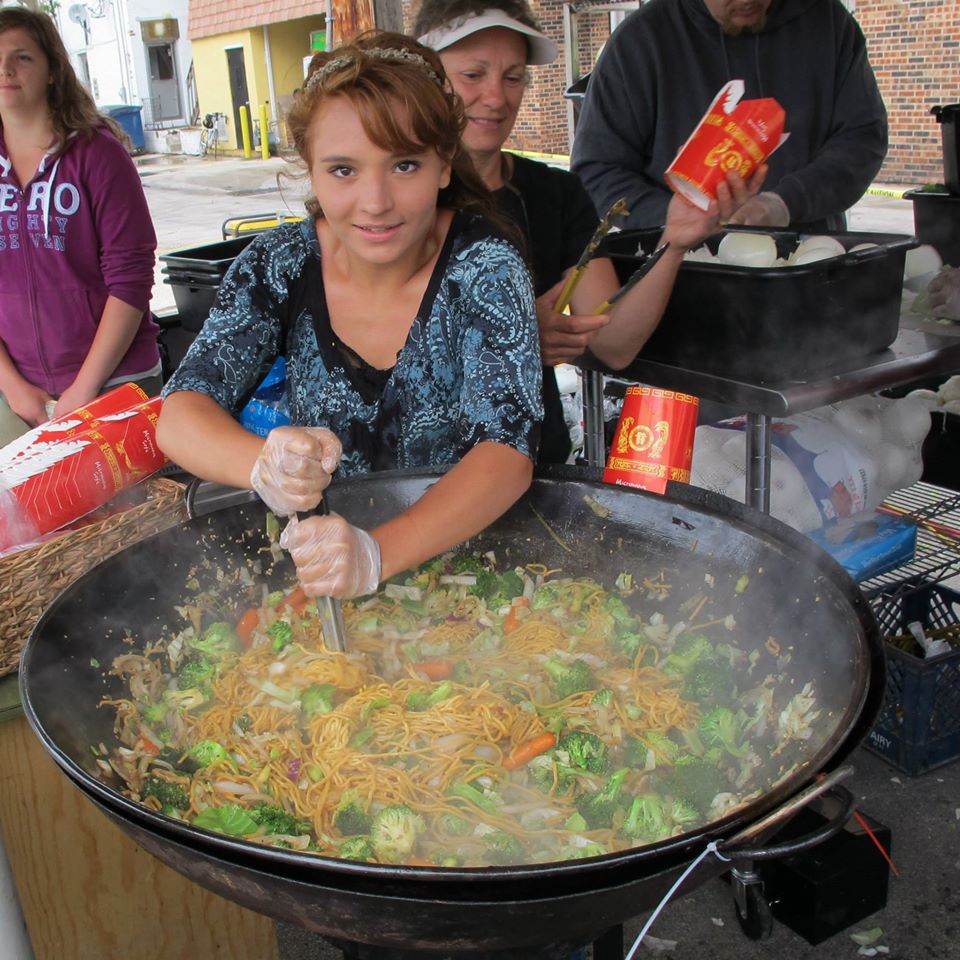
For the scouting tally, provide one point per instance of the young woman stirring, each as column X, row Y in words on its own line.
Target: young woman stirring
column 407, row 320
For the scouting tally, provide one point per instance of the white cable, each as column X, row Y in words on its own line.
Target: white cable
column 711, row 847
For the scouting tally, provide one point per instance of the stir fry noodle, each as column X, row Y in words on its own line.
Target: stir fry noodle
column 481, row 717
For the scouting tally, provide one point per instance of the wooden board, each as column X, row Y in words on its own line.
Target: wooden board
column 88, row 892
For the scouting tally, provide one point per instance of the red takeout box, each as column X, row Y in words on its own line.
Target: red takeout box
column 65, row 468
column 734, row 135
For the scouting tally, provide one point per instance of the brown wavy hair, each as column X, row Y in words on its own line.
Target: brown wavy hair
column 72, row 109
column 374, row 85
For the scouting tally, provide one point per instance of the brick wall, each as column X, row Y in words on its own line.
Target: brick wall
column 914, row 46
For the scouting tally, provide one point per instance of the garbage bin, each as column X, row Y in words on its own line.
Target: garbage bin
column 195, row 275
column 130, row 119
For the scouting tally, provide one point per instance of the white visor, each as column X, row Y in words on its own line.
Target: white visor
column 542, row 48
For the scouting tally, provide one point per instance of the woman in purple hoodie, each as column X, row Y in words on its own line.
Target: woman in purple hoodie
column 76, row 241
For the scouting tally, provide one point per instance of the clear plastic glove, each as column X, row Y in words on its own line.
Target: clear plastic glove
column 294, row 468
column 943, row 294
column 333, row 558
column 764, row 210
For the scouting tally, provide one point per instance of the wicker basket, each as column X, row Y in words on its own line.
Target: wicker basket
column 32, row 578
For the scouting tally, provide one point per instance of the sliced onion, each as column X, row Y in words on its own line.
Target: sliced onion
column 236, row 789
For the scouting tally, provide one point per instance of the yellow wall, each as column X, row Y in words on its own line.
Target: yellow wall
column 289, row 44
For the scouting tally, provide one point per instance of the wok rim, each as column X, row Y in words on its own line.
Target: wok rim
column 853, row 725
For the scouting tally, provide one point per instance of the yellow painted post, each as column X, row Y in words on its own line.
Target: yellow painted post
column 264, row 134
column 245, row 131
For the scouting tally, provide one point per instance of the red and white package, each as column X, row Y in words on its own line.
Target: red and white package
column 61, row 475
column 735, row 135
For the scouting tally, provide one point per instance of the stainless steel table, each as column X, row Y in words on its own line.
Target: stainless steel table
column 921, row 350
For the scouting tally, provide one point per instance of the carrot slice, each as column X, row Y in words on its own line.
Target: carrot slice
column 246, row 625
column 525, row 752
column 435, row 669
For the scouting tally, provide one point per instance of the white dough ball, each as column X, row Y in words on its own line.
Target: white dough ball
column 951, row 406
column 833, row 247
column 810, row 256
column 747, row 250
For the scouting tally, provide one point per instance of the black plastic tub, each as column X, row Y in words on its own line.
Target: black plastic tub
column 195, row 274
column 213, row 259
column 777, row 323
column 936, row 220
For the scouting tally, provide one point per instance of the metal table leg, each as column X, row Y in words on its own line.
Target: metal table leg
column 757, row 480
column 594, row 440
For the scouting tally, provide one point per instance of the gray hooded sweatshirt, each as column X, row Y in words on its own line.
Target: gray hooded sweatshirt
column 662, row 67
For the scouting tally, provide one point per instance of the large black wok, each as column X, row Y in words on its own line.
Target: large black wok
column 568, row 519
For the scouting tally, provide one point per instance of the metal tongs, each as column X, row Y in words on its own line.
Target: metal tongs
column 634, row 279
column 330, row 610
column 576, row 274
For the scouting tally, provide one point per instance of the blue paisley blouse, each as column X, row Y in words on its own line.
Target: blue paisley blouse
column 469, row 370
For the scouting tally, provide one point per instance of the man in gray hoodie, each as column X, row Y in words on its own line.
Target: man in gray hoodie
column 661, row 69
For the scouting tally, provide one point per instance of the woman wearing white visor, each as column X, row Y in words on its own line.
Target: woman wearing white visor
column 486, row 47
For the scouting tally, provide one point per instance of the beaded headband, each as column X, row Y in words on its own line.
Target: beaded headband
column 338, row 63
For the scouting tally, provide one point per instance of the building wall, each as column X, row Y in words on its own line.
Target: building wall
column 914, row 46
column 116, row 56
column 213, row 77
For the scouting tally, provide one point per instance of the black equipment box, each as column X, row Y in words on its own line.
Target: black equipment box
column 936, row 220
column 774, row 323
column 819, row 892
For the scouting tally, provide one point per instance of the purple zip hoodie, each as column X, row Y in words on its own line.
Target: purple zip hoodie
column 79, row 232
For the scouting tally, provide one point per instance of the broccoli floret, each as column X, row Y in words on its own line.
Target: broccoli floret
column 446, row 858
column 694, row 780
column 586, row 751
column 684, row 814
column 688, row 649
column 218, row 640
column 208, row 752
column 587, row 850
column 275, row 819
column 546, row 595
column 170, row 795
column 244, row 723
column 546, row 770
column 461, row 672
column 317, row 698
column 497, row 590
column 154, row 713
column 720, row 727
column 569, row 678
column 452, row 825
column 393, row 833
column 598, row 808
column 602, row 698
column 355, row 848
column 711, row 681
column 196, row 673
column 351, row 817
column 503, row 847
column 664, row 749
column 281, row 635
column 467, row 563
column 646, row 820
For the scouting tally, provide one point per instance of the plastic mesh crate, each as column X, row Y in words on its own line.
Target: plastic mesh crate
column 919, row 723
